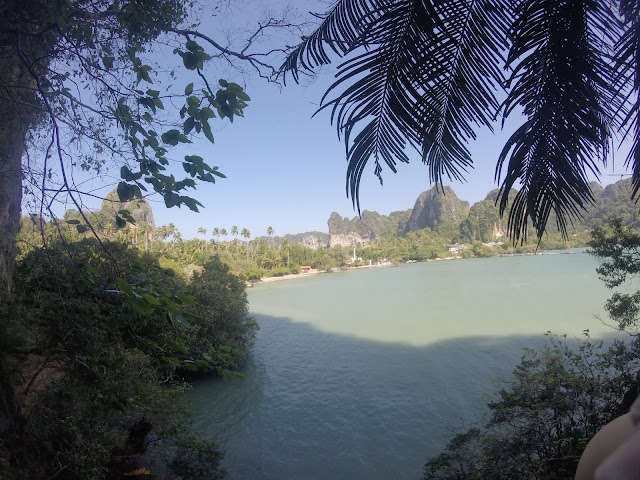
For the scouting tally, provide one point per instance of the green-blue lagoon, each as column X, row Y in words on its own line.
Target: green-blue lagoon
column 364, row 374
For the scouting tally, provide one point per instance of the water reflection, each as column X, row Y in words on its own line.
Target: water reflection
column 317, row 405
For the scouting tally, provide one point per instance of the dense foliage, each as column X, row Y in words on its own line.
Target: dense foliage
column 619, row 248
column 98, row 349
column 557, row 398
column 544, row 415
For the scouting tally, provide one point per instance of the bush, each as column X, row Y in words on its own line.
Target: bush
column 466, row 253
column 544, row 415
column 323, row 262
column 254, row 274
column 279, row 272
column 109, row 335
column 222, row 331
column 294, row 269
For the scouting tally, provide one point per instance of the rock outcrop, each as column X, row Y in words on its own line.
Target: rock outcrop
column 438, row 210
column 364, row 229
column 139, row 209
column 349, row 239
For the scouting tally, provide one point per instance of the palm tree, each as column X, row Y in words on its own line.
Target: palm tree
column 203, row 231
column 216, row 233
column 430, row 74
column 246, row 234
column 234, row 232
column 284, row 246
column 223, row 232
column 146, row 230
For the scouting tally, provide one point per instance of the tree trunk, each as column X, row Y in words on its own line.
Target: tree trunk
column 17, row 87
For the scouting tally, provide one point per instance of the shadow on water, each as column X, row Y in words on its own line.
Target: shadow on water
column 316, row 405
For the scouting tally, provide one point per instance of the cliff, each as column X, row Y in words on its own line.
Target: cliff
column 139, row 209
column 312, row 240
column 483, row 222
column 366, row 228
column 438, row 210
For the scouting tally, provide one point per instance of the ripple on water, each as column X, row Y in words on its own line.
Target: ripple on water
column 365, row 374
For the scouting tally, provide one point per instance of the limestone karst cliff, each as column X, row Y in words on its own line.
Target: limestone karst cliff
column 439, row 210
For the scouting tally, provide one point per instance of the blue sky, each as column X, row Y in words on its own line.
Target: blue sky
column 287, row 170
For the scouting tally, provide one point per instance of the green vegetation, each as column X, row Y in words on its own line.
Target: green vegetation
column 370, row 224
column 544, row 415
column 97, row 338
column 98, row 347
column 557, row 398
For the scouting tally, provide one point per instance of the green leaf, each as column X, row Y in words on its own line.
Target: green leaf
column 143, row 308
column 172, row 137
column 193, row 101
column 125, row 173
column 125, row 192
column 73, row 222
column 124, row 286
column 144, row 73
column 121, row 222
column 180, row 318
column 188, row 89
column 206, row 112
column 151, row 299
column 171, row 199
column 82, row 228
column 186, row 299
column 192, row 46
column 243, row 96
column 126, row 215
column 201, row 57
column 190, row 61
column 62, row 22
column 192, row 203
column 207, row 131
column 223, row 83
column 188, row 125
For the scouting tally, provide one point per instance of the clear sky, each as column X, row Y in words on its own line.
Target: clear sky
column 287, row 170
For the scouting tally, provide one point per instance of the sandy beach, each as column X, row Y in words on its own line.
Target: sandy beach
column 312, row 272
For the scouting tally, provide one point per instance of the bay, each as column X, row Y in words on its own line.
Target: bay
column 364, row 374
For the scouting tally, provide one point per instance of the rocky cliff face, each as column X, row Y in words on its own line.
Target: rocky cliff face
column 437, row 210
column 366, row 228
column 348, row 239
column 139, row 209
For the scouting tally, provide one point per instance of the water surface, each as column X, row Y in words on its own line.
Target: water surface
column 364, row 374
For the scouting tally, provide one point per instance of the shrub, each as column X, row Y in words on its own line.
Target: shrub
column 110, row 334
column 222, row 331
column 544, row 415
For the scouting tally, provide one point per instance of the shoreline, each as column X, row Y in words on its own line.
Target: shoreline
column 292, row 276
column 312, row 272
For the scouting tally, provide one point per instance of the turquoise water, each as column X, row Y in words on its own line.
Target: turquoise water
column 364, row 374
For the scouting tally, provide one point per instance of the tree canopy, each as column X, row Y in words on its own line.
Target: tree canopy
column 82, row 87
column 428, row 74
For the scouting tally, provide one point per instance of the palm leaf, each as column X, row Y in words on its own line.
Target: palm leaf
column 628, row 82
column 417, row 72
column 563, row 85
column 339, row 30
